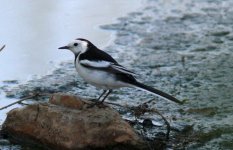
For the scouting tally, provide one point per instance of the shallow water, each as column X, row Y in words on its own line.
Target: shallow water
column 181, row 47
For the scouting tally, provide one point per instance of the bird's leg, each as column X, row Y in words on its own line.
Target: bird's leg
column 102, row 95
column 109, row 91
column 98, row 102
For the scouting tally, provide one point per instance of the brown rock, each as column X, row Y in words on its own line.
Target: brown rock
column 69, row 125
column 67, row 101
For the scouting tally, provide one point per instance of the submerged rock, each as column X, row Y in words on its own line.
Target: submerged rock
column 66, row 123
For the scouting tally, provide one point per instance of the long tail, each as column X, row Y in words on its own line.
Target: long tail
column 156, row 91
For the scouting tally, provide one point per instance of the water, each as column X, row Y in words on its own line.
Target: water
column 33, row 30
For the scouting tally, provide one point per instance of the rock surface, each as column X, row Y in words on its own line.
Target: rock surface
column 66, row 123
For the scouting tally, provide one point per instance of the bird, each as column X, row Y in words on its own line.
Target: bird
column 101, row 70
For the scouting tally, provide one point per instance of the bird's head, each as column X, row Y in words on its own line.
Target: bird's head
column 78, row 46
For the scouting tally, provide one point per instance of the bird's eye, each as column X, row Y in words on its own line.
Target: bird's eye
column 75, row 44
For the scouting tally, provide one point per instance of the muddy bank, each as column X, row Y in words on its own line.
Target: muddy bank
column 181, row 47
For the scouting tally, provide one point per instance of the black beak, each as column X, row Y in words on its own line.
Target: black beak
column 64, row 47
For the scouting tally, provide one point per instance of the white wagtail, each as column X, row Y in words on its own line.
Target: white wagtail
column 101, row 70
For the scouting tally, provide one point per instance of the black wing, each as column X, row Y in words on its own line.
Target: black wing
column 95, row 54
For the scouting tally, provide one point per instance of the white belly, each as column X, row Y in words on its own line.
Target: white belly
column 100, row 79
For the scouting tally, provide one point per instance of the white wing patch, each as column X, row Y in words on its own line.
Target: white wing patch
column 107, row 65
column 122, row 69
column 95, row 64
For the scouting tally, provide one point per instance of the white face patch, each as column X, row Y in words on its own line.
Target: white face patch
column 83, row 45
column 78, row 46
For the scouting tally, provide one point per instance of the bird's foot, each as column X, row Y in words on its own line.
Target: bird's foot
column 98, row 104
column 93, row 100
